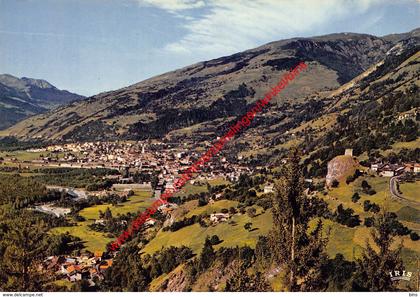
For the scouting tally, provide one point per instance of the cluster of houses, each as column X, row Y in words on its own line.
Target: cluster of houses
column 219, row 217
column 143, row 156
column 390, row 170
column 87, row 266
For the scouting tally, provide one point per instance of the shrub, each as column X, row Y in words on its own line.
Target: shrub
column 355, row 197
column 251, row 212
column 247, row 226
column 335, row 183
column 369, row 222
column 214, row 240
column 350, row 179
column 414, row 236
column 366, row 205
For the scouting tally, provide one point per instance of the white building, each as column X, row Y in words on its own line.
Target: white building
column 268, row 189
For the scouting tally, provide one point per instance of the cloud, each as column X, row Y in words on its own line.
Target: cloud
column 231, row 26
column 174, row 5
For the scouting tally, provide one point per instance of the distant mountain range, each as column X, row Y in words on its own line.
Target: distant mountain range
column 24, row 97
column 205, row 96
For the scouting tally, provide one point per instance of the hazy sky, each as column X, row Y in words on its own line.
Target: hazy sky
column 90, row 46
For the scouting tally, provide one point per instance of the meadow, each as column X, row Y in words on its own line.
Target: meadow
column 232, row 233
column 96, row 241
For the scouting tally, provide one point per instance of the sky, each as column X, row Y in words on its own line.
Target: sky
column 92, row 46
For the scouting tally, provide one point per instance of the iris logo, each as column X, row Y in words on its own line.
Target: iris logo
column 400, row 275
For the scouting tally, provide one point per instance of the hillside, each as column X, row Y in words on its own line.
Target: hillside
column 211, row 91
column 24, row 97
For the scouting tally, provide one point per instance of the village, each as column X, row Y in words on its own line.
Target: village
column 164, row 160
column 129, row 157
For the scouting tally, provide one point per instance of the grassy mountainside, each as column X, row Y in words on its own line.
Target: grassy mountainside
column 210, row 91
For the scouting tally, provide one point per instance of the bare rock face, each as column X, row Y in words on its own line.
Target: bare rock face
column 340, row 167
column 175, row 282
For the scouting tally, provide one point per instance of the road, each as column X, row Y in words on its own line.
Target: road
column 396, row 195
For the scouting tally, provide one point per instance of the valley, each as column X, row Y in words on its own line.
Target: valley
column 336, row 156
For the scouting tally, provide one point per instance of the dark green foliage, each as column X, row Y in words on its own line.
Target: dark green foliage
column 262, row 252
column 345, row 216
column 168, row 259
column 414, row 236
column 63, row 244
column 215, row 240
column 73, row 177
column 373, row 268
column 297, row 251
column 242, row 281
column 337, row 273
column 368, row 206
column 128, row 272
column 20, row 191
column 202, row 201
column 11, row 143
column 23, row 245
column 99, row 186
column 369, row 221
column 355, row 197
column 350, row 179
column 188, row 221
column 251, row 212
column 335, row 183
column 207, row 255
column 248, row 226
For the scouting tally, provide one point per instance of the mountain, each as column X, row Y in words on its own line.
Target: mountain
column 205, row 96
column 24, row 97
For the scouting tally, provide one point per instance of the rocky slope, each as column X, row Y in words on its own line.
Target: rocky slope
column 208, row 94
column 23, row 97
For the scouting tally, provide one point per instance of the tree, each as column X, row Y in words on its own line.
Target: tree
column 251, row 212
column 355, row 197
column 350, row 179
column 214, row 240
column 107, row 214
column 373, row 268
column 21, row 252
column 128, row 272
column 248, row 226
column 298, row 251
column 334, row 183
column 242, row 281
column 337, row 273
column 207, row 255
column 414, row 236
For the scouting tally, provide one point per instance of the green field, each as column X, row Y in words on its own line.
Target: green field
column 351, row 241
column 96, row 241
column 343, row 193
column 140, row 201
column 411, row 190
column 22, row 155
column 217, row 206
column 191, row 189
column 232, row 235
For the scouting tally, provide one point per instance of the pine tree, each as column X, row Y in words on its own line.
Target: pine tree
column 242, row 281
column 21, row 255
column 300, row 254
column 207, row 255
column 373, row 268
column 107, row 214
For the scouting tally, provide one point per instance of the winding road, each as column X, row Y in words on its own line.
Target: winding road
column 396, row 195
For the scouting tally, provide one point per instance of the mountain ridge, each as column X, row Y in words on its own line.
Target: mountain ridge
column 24, row 97
column 213, row 90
